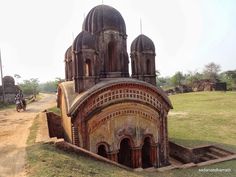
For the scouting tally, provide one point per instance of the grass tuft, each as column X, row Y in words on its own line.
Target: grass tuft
column 55, row 110
column 33, row 131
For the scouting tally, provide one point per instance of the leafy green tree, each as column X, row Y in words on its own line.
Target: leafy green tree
column 230, row 78
column 211, row 71
column 30, row 87
column 191, row 77
column 50, row 86
column 164, row 82
column 177, row 79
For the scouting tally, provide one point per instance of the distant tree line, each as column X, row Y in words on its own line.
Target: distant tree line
column 30, row 87
column 210, row 72
column 50, row 86
column 33, row 87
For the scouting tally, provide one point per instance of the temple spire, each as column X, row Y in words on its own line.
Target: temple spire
column 141, row 26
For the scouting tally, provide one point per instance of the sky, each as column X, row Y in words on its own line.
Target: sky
column 188, row 34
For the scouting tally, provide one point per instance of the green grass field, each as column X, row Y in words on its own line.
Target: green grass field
column 203, row 118
column 197, row 119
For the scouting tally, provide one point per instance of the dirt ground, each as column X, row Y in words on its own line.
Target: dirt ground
column 14, row 131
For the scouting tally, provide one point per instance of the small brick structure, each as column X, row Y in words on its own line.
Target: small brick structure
column 180, row 153
column 208, row 85
column 10, row 89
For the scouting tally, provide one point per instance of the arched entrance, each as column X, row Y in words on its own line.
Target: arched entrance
column 124, row 155
column 102, row 151
column 146, row 153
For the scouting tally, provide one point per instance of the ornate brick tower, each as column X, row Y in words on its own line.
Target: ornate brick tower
column 107, row 24
column 68, row 65
column 143, row 59
column 86, row 62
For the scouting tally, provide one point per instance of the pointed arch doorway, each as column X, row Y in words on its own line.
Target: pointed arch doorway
column 124, row 155
column 146, row 153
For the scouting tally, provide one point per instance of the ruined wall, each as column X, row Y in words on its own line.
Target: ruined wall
column 10, row 93
column 180, row 153
column 54, row 125
column 9, row 98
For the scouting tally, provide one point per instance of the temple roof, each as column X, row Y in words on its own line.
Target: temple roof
column 142, row 43
column 68, row 54
column 84, row 40
column 74, row 100
column 104, row 17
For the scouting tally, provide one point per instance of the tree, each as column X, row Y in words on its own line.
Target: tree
column 163, row 82
column 230, row 78
column 211, row 71
column 191, row 77
column 177, row 79
column 30, row 87
column 50, row 86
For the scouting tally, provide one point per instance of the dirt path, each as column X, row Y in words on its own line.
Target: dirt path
column 14, row 131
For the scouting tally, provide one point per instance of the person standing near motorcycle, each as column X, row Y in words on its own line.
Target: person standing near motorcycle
column 20, row 97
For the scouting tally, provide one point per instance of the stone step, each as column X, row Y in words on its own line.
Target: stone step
column 187, row 165
column 204, row 159
column 218, row 152
column 212, row 155
column 230, row 157
column 224, row 150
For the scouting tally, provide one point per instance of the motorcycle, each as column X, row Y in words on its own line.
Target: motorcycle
column 20, row 104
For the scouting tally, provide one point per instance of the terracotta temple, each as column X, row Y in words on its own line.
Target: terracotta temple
column 103, row 108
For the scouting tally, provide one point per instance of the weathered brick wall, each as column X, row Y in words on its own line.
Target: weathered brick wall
column 180, row 153
column 54, row 125
column 80, row 151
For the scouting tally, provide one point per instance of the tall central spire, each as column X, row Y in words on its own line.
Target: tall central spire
column 141, row 27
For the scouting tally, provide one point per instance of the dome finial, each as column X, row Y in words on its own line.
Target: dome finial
column 141, row 26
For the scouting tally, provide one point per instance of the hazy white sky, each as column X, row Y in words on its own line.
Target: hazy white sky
column 188, row 34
